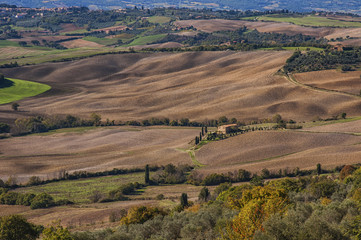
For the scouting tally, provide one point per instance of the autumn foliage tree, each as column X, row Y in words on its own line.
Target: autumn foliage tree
column 255, row 206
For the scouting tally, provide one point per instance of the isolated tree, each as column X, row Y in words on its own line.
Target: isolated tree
column 204, row 194
column 223, row 120
column 196, row 140
column 343, row 115
column 96, row 118
column 184, row 200
column 35, row 42
column 15, row 106
column 318, row 168
column 202, row 131
column 23, row 43
column 200, row 136
column 206, row 129
column 146, row 177
column 276, row 118
column 4, row 128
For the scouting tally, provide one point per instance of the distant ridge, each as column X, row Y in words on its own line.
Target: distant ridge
column 350, row 6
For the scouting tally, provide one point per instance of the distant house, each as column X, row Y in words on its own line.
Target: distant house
column 338, row 47
column 225, row 129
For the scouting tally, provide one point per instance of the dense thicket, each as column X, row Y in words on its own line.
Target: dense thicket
column 321, row 60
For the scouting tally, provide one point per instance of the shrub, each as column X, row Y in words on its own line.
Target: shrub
column 43, row 200
column 214, row 179
column 15, row 227
column 141, row 214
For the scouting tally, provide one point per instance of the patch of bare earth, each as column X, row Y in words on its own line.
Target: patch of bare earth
column 69, row 27
column 276, row 150
column 349, row 82
column 78, row 43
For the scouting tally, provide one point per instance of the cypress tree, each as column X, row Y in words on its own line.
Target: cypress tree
column 184, row 200
column 146, row 177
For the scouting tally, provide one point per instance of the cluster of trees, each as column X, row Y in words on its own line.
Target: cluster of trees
column 321, row 60
column 311, row 207
column 40, row 124
column 117, row 194
column 242, row 39
column 203, row 132
column 42, row 200
column 243, row 175
column 171, row 174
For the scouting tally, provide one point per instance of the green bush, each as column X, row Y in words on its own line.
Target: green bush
column 43, row 200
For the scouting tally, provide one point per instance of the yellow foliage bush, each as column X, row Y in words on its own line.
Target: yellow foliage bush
column 256, row 205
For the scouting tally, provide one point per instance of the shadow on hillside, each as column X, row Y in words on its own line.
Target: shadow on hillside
column 6, row 83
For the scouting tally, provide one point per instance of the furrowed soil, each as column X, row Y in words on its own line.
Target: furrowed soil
column 276, row 150
column 196, row 85
column 97, row 149
column 348, row 82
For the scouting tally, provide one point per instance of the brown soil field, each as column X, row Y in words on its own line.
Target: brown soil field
column 343, row 32
column 332, row 79
column 160, row 45
column 93, row 150
column 276, row 27
column 196, row 85
column 349, row 42
column 69, row 27
column 78, row 43
column 39, row 38
column 279, row 150
column 211, row 25
column 346, row 127
column 16, row 52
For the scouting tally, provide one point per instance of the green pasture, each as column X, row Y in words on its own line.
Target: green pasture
column 159, row 19
column 7, row 43
column 102, row 41
column 146, row 40
column 80, row 190
column 310, row 20
column 21, row 89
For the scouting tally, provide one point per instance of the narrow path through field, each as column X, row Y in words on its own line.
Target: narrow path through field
column 293, row 80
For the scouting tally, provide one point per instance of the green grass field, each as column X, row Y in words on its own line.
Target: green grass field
column 310, row 20
column 146, row 40
column 21, row 89
column 159, row 19
column 6, row 43
column 102, row 41
column 79, row 191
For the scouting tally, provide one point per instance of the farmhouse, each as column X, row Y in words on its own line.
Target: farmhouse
column 225, row 129
column 338, row 47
